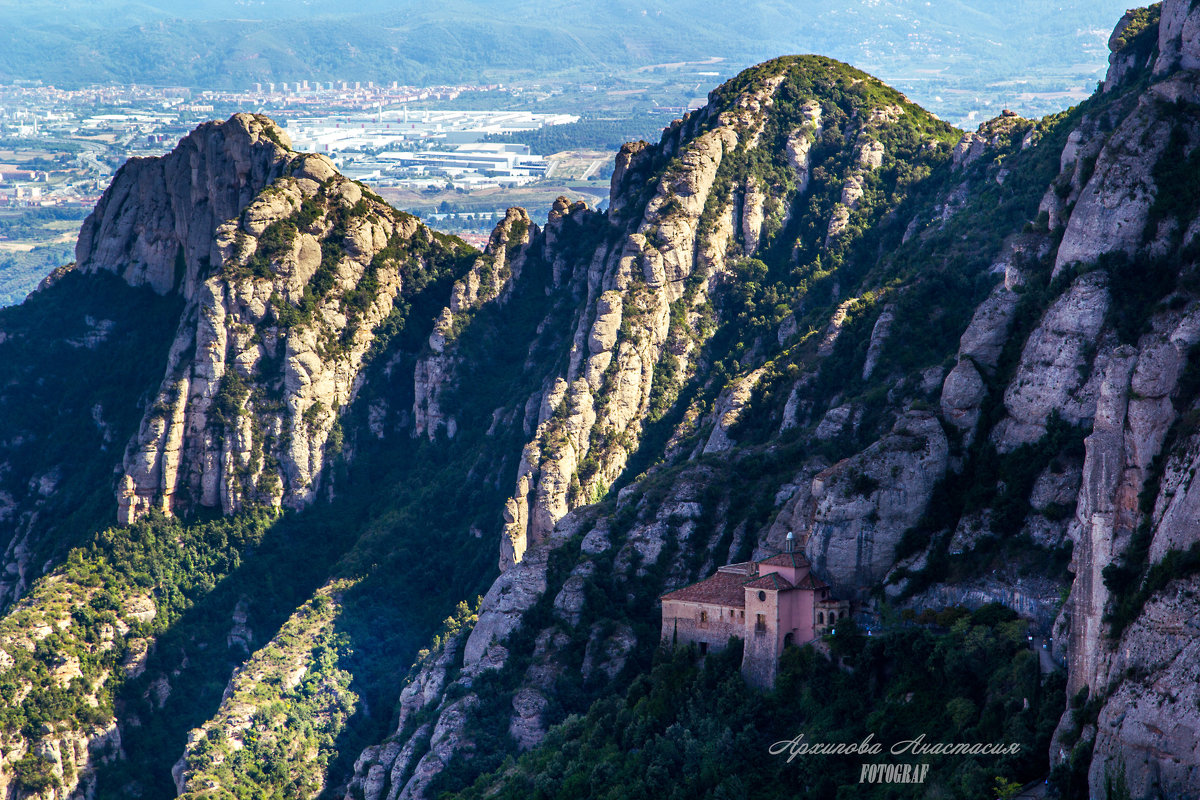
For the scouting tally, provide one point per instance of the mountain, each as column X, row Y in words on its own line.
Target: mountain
column 946, row 51
column 300, row 498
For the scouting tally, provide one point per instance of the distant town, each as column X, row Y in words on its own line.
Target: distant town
column 457, row 155
column 62, row 147
column 452, row 154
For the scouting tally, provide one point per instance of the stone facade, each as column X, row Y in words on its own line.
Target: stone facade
column 768, row 604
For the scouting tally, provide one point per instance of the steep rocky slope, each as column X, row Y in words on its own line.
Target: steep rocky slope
column 276, row 274
column 1074, row 362
column 959, row 366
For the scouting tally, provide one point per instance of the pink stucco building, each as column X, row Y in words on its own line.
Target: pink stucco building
column 769, row 604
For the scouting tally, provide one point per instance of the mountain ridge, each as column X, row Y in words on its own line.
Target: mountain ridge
column 951, row 362
column 215, row 46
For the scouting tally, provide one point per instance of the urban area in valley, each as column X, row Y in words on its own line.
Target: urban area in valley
column 456, row 155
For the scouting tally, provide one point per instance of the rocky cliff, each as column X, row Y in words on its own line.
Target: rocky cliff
column 287, row 269
column 1063, row 364
column 156, row 224
column 958, row 366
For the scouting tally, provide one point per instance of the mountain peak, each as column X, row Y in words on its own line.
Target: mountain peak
column 155, row 225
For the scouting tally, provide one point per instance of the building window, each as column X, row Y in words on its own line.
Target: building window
column 762, row 597
column 731, row 613
column 820, row 617
column 742, row 616
column 832, row 617
column 703, row 619
column 760, row 623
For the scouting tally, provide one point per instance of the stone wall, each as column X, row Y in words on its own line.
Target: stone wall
column 760, row 662
column 681, row 624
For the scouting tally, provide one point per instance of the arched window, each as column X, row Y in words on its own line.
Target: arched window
column 820, row 617
column 832, row 617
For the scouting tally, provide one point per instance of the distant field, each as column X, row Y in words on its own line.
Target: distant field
column 486, row 205
column 34, row 241
column 580, row 165
column 27, row 245
column 20, row 272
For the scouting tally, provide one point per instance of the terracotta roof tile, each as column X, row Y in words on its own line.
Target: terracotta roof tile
column 728, row 588
column 724, row 588
column 772, row 580
column 811, row 581
column 796, row 560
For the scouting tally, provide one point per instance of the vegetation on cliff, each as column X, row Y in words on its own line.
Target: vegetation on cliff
column 690, row 728
column 812, row 307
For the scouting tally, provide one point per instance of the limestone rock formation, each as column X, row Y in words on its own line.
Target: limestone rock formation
column 860, row 507
column 941, row 360
column 1054, row 364
column 280, row 314
column 489, row 281
column 157, row 223
column 1149, row 730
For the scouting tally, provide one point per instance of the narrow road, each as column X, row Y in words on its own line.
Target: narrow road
column 1045, row 660
column 1033, row 791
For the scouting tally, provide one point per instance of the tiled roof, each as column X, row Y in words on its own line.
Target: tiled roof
column 811, row 581
column 772, row 580
column 724, row 589
column 796, row 560
column 728, row 588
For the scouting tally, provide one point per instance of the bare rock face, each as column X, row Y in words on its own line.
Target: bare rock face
column 1114, row 207
column 1178, row 37
column 879, row 335
column 1176, row 510
column 631, row 163
column 1054, row 364
column 752, row 215
column 860, row 507
column 1149, row 730
column 1033, row 598
column 728, row 411
column 980, row 345
column 1133, row 415
column 799, row 144
column 269, row 347
column 1103, row 522
column 513, row 593
column 1121, row 61
column 963, row 393
column 974, row 144
column 984, row 338
column 621, row 336
column 837, row 420
column 157, row 221
column 489, row 280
